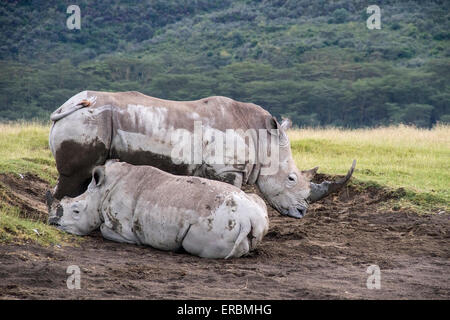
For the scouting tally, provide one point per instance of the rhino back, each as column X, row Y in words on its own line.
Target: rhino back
column 153, row 186
column 218, row 112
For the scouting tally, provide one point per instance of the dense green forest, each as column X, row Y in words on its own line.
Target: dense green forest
column 313, row 61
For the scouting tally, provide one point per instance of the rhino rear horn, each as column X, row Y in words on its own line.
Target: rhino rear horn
column 49, row 199
column 320, row 191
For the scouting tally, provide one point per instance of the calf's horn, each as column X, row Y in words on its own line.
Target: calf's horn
column 49, row 199
column 320, row 191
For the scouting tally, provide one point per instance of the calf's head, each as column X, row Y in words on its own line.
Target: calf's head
column 289, row 190
column 80, row 215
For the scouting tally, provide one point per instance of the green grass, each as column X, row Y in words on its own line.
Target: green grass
column 417, row 160
column 13, row 228
column 24, row 148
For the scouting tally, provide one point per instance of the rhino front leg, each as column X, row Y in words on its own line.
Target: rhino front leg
column 112, row 235
column 221, row 173
column 234, row 178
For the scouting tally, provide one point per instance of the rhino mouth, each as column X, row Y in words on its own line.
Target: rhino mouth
column 297, row 212
column 54, row 221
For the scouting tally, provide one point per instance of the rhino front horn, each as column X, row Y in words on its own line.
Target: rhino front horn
column 320, row 191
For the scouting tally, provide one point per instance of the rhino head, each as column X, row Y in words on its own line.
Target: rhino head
column 79, row 215
column 289, row 190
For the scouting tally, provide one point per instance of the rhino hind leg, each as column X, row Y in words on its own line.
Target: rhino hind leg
column 75, row 162
column 241, row 245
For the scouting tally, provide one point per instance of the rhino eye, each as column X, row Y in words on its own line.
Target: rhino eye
column 76, row 214
column 292, row 178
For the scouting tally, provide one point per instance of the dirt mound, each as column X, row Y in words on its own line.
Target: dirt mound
column 27, row 192
column 323, row 255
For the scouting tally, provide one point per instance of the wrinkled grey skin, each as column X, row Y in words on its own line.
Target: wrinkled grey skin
column 142, row 205
column 93, row 127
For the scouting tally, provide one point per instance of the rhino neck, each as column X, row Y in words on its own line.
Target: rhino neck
column 255, row 168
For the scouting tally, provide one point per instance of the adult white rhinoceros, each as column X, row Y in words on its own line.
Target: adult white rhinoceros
column 92, row 127
column 144, row 205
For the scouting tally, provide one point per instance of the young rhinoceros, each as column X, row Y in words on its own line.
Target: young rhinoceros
column 144, row 205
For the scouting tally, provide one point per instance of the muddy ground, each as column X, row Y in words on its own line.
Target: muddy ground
column 325, row 255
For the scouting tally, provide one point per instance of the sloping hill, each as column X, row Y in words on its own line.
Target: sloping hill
column 315, row 62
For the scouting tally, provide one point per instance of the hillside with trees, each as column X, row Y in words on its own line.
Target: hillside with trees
column 315, row 62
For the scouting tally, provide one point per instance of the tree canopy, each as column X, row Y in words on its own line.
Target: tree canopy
column 313, row 61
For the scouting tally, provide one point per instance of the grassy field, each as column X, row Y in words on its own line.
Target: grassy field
column 417, row 160
column 24, row 148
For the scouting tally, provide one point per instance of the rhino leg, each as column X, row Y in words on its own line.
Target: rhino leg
column 234, row 178
column 112, row 235
column 75, row 162
column 71, row 186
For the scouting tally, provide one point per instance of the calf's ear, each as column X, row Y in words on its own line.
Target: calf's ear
column 98, row 175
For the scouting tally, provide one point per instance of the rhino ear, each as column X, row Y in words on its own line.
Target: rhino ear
column 286, row 124
column 309, row 174
column 272, row 124
column 98, row 175
column 274, row 127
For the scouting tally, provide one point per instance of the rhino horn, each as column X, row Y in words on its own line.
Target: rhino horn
column 49, row 199
column 320, row 191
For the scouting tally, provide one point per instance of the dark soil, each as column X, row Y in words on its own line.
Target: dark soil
column 26, row 192
column 325, row 255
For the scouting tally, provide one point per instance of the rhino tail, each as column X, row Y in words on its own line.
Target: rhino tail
column 58, row 114
column 245, row 230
